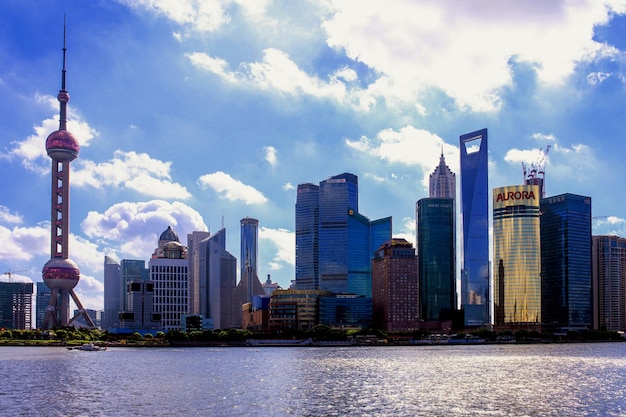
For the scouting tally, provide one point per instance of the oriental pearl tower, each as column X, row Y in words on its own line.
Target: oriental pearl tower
column 60, row 273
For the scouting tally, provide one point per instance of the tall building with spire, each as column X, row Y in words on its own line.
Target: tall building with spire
column 442, row 182
column 60, row 273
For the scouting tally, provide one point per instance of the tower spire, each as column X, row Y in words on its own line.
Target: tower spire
column 63, row 95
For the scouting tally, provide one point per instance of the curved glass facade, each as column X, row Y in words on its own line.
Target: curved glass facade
column 516, row 255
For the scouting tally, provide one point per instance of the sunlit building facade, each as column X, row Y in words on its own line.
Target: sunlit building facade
column 169, row 270
column 475, row 229
column 395, row 305
column 517, row 256
column 566, row 276
column 436, row 250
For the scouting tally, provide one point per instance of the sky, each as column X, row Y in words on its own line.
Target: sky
column 198, row 113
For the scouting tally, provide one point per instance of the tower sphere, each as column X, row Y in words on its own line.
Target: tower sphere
column 60, row 273
column 62, row 146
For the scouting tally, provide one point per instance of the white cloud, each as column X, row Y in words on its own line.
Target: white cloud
column 200, row 15
column 23, row 243
column 464, row 49
column 544, row 137
column 32, row 150
column 7, row 217
column 231, row 189
column 275, row 72
column 90, row 292
column 289, row 187
column 137, row 226
column 135, row 171
column 284, row 240
column 14, row 277
column 409, row 146
column 271, row 155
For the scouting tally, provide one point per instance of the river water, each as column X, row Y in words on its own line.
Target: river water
column 488, row 380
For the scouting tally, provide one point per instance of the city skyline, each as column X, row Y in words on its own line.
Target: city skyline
column 184, row 121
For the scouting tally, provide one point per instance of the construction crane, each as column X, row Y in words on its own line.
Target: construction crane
column 535, row 173
column 10, row 273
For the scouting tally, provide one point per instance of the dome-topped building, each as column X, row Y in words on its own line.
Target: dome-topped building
column 170, row 246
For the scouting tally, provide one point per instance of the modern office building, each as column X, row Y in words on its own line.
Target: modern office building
column 16, row 305
column 395, row 297
column 42, row 299
column 249, row 284
column 436, row 249
column 338, row 199
column 193, row 254
column 307, row 237
column 609, row 279
column 475, row 229
column 113, row 293
column 294, row 309
column 218, row 279
column 341, row 250
column 442, row 182
column 138, row 313
column 169, row 270
column 346, row 311
column 566, row 275
column 117, row 275
column 517, row 257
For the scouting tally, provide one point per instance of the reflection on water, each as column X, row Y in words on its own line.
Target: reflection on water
column 494, row 380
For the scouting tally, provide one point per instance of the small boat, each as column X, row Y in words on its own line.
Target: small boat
column 88, row 347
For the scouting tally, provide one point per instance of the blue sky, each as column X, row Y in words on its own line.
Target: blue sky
column 198, row 113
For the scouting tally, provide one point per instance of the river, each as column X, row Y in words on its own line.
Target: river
column 486, row 380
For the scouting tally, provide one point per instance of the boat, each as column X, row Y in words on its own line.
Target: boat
column 90, row 347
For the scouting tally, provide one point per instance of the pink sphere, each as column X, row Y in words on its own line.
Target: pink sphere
column 62, row 146
column 59, row 273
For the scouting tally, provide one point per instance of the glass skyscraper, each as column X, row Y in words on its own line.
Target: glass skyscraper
column 517, row 256
column 334, row 247
column 337, row 199
column 436, row 256
column 248, row 263
column 475, row 228
column 566, row 262
column 307, row 237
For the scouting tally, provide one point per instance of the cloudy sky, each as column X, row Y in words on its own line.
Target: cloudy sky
column 197, row 113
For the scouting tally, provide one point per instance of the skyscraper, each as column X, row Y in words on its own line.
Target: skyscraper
column 517, row 256
column 113, row 290
column 609, row 275
column 169, row 270
column 218, row 279
column 307, row 237
column 395, row 287
column 566, row 262
column 475, row 228
column 334, row 248
column 338, row 200
column 193, row 247
column 249, row 278
column 16, row 305
column 60, row 273
column 442, row 182
column 436, row 253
